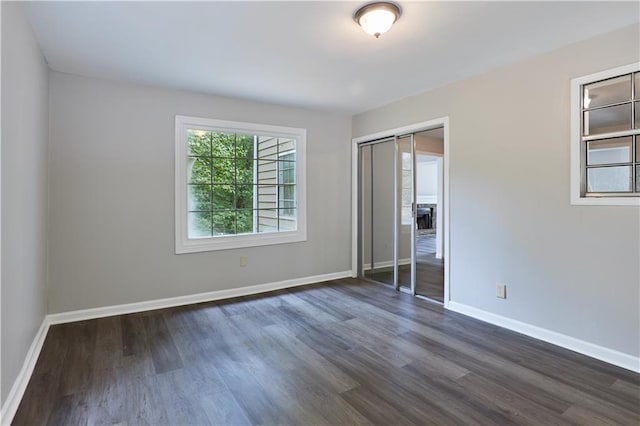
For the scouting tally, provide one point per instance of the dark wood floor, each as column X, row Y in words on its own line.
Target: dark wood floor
column 342, row 352
column 429, row 270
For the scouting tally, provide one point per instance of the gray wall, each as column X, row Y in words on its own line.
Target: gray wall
column 571, row 269
column 24, row 190
column 112, row 196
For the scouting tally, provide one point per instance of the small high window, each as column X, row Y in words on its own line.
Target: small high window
column 238, row 184
column 606, row 137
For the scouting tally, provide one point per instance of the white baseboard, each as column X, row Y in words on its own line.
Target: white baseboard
column 586, row 348
column 20, row 384
column 128, row 308
column 17, row 391
column 386, row 264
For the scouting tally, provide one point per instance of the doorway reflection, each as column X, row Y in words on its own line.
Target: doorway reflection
column 429, row 230
column 405, row 214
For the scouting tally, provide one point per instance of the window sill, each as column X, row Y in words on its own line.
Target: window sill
column 238, row 241
column 605, row 201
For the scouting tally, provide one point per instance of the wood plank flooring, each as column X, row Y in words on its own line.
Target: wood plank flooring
column 429, row 271
column 337, row 353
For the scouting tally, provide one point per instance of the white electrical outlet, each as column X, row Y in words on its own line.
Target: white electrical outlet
column 501, row 291
column 244, row 260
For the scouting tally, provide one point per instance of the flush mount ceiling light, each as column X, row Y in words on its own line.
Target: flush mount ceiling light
column 377, row 18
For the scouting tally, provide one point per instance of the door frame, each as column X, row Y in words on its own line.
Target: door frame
column 400, row 131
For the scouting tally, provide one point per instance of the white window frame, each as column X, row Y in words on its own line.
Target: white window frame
column 184, row 244
column 576, row 140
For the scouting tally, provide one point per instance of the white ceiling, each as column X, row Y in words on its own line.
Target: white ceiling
column 308, row 54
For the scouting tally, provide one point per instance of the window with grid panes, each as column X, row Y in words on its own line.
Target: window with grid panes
column 237, row 184
column 609, row 134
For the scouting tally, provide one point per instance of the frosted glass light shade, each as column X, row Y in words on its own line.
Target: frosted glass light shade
column 377, row 18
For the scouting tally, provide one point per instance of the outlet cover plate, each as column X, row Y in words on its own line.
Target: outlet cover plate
column 501, row 291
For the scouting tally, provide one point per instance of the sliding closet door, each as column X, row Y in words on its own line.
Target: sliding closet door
column 405, row 221
column 365, row 223
column 377, row 171
column 383, row 211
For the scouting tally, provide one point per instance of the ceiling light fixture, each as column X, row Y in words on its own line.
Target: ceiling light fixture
column 377, row 18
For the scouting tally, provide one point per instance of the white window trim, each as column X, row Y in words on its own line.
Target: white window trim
column 183, row 244
column 576, row 140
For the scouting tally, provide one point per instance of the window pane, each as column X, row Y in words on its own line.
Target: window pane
column 637, row 149
column 267, row 172
column 287, row 144
column 199, row 170
column 223, row 197
column 637, row 178
column 199, row 143
column 244, row 220
column 609, row 179
column 199, row 197
column 244, row 171
column 244, row 196
column 223, row 144
column 224, row 170
column 287, row 169
column 199, row 224
column 267, row 148
column 608, row 151
column 607, row 92
column 267, row 196
column 287, row 192
column 287, row 220
column 237, row 182
column 287, row 199
column 285, row 164
column 605, row 120
column 244, row 146
column 637, row 118
column 224, row 222
column 637, row 90
column 267, row 220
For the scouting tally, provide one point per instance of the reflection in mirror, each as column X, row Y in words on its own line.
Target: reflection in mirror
column 607, row 92
column 405, row 225
column 606, row 120
column 365, row 211
column 609, row 179
column 376, row 210
column 382, row 211
column 429, row 184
